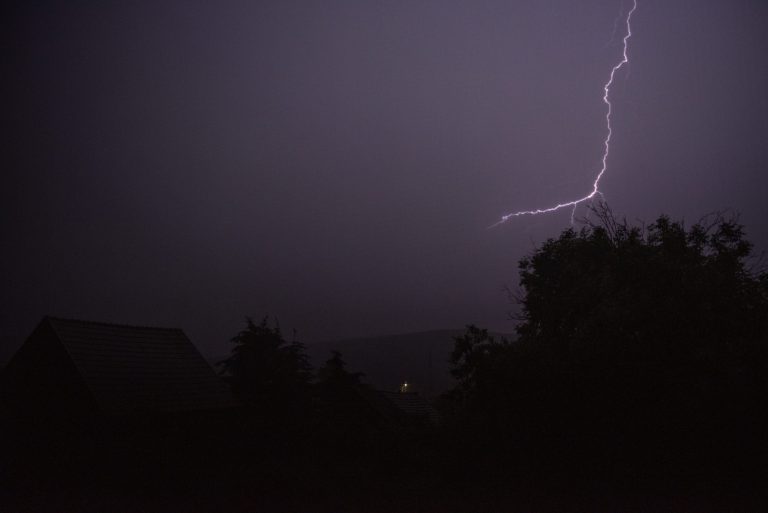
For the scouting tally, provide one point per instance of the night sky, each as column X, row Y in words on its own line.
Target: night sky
column 337, row 163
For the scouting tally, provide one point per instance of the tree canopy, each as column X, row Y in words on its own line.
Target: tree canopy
column 641, row 344
column 661, row 290
column 335, row 374
column 265, row 367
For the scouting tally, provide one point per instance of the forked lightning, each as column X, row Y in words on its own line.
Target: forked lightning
column 607, row 143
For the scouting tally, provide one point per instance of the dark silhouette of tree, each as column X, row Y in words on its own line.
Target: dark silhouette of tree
column 265, row 368
column 474, row 358
column 334, row 373
column 662, row 328
column 347, row 406
column 640, row 349
column 614, row 287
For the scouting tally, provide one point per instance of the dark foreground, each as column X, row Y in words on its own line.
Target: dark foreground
column 233, row 461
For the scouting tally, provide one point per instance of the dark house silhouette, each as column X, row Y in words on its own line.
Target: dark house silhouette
column 88, row 409
column 70, row 369
column 396, row 410
column 411, row 408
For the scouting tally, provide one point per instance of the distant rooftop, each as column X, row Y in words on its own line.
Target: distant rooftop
column 413, row 406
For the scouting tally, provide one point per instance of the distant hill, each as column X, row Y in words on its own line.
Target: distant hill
column 421, row 359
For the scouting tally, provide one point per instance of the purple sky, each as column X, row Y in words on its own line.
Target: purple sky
column 336, row 163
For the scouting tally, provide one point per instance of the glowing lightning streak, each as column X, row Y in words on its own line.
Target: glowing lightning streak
column 606, row 143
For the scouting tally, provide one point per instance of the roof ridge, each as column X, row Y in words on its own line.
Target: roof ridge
column 110, row 324
column 123, row 373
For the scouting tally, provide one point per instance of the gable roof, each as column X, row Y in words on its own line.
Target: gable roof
column 412, row 406
column 133, row 369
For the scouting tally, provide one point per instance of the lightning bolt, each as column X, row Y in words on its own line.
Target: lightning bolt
column 606, row 143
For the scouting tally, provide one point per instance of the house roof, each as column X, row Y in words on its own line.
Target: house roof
column 412, row 406
column 131, row 368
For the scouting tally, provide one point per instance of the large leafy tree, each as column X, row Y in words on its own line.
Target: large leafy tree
column 640, row 342
column 655, row 334
column 662, row 291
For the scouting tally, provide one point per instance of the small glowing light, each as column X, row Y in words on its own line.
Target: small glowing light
column 404, row 387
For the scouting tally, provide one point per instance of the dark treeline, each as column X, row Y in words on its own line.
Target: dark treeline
column 637, row 382
column 639, row 372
